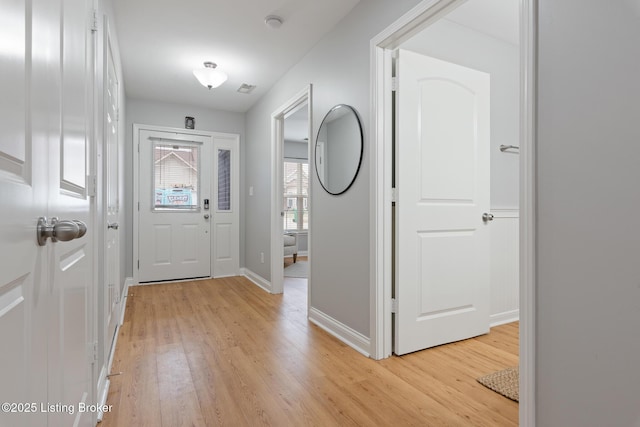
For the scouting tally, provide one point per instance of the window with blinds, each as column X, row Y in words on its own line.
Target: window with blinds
column 296, row 196
column 176, row 176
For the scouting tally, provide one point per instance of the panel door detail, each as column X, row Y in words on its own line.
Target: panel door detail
column 174, row 227
column 111, row 291
column 442, row 180
column 46, row 315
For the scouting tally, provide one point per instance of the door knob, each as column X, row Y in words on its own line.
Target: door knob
column 113, row 225
column 206, row 216
column 59, row 230
column 487, row 217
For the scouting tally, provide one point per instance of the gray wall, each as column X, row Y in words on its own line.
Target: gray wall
column 338, row 68
column 452, row 42
column 172, row 115
column 343, row 153
column 296, row 150
column 588, row 239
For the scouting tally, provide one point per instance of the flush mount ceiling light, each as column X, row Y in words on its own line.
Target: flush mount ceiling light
column 272, row 21
column 208, row 76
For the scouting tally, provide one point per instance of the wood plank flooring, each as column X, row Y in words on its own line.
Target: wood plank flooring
column 224, row 352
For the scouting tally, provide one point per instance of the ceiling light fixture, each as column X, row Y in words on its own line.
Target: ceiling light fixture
column 272, row 21
column 210, row 77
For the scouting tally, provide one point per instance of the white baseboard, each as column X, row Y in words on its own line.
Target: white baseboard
column 103, row 380
column 103, row 392
column 352, row 338
column 502, row 318
column 258, row 280
column 123, row 300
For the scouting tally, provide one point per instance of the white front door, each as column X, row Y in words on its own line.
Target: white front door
column 226, row 206
column 174, row 205
column 442, row 184
column 46, row 317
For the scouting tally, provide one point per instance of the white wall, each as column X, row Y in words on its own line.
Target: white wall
column 172, row 115
column 452, row 42
column 338, row 68
column 588, row 239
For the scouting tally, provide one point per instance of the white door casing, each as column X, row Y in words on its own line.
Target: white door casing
column 442, row 187
column 304, row 97
column 46, row 315
column 174, row 243
column 225, row 206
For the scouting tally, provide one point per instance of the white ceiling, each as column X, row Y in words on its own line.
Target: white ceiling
column 162, row 41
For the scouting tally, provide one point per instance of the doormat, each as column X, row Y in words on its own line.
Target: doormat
column 505, row 382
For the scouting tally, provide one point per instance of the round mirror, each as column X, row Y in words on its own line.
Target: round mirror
column 339, row 149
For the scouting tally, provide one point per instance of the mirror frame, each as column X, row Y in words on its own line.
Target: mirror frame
column 315, row 157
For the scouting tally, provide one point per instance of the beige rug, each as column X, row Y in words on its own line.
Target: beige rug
column 505, row 382
column 299, row 269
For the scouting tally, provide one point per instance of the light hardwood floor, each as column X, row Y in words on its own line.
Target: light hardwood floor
column 224, row 352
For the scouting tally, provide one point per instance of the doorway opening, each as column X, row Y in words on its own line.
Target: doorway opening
column 291, row 195
column 295, row 197
column 428, row 14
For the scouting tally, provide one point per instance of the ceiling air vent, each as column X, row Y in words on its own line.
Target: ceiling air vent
column 245, row 88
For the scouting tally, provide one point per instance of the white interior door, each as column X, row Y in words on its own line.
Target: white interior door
column 24, row 191
column 46, row 317
column 174, row 219
column 442, row 187
column 71, row 321
column 226, row 219
column 112, row 203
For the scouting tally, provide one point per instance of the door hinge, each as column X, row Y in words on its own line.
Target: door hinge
column 394, row 84
column 393, row 195
column 94, row 351
column 138, row 147
column 118, row 119
column 94, row 21
column 394, row 305
column 138, row 206
column 138, row 264
column 92, row 185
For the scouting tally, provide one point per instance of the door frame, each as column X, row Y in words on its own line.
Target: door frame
column 277, row 150
column 381, row 47
column 136, row 184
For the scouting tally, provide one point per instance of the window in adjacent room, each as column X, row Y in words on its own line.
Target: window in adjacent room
column 296, row 196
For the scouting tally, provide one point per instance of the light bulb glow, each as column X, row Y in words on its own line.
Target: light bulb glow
column 209, row 76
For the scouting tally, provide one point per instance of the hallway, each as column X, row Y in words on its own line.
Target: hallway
column 224, row 352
